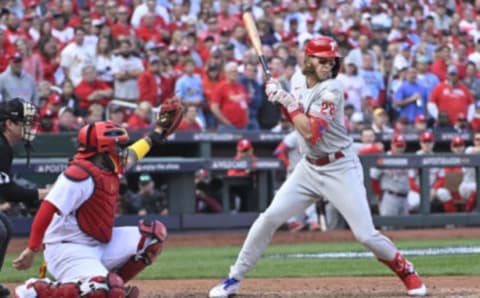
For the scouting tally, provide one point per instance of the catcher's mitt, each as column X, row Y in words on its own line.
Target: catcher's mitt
column 169, row 117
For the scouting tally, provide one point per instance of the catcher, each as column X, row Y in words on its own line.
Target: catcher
column 86, row 255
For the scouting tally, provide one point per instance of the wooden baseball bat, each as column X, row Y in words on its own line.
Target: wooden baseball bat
column 255, row 38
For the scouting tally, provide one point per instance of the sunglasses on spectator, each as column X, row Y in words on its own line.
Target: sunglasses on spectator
column 477, row 139
column 458, row 145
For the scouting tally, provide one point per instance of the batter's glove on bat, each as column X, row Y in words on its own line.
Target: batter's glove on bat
column 169, row 117
column 272, row 87
column 287, row 100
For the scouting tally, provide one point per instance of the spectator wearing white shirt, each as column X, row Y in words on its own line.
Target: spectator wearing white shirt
column 149, row 6
column 402, row 58
column 355, row 56
column 76, row 55
column 104, row 60
column 357, row 92
column 475, row 56
column 60, row 31
column 126, row 68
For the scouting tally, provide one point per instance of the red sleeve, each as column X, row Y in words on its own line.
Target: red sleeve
column 40, row 224
column 81, row 92
column 433, row 96
column 413, row 185
column 218, row 93
column 381, row 98
column 470, row 99
column 439, row 183
column 375, row 183
column 146, row 89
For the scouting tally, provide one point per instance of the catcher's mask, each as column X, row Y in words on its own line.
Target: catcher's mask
column 104, row 138
column 23, row 112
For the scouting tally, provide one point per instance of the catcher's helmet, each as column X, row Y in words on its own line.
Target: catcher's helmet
column 104, row 137
column 324, row 47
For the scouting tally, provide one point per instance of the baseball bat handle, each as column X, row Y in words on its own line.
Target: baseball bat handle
column 266, row 70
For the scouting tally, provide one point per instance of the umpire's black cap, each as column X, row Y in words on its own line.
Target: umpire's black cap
column 15, row 110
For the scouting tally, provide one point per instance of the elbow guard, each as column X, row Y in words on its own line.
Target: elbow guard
column 318, row 126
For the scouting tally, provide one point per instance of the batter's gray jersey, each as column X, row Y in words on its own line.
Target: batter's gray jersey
column 326, row 100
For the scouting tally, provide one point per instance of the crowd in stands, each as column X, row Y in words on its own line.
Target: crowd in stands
column 410, row 59
column 408, row 66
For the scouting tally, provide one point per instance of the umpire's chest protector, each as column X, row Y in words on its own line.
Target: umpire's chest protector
column 96, row 216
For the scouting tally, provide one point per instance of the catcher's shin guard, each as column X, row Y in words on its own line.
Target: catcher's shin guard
column 150, row 246
column 111, row 286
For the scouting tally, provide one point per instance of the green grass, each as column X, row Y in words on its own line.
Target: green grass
column 214, row 262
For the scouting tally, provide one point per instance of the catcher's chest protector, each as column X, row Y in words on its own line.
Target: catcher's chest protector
column 96, row 216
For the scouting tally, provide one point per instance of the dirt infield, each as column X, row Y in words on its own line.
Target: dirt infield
column 461, row 286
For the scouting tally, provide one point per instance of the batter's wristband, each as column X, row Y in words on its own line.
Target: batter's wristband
column 294, row 113
column 141, row 148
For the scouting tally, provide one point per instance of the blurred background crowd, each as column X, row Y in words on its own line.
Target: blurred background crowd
column 408, row 66
column 404, row 61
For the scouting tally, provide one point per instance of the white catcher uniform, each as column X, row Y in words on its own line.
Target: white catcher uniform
column 71, row 254
column 340, row 179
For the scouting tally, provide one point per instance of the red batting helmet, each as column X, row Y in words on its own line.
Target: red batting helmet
column 324, row 47
column 104, row 137
column 244, row 145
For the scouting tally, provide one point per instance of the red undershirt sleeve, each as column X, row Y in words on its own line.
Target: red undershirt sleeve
column 40, row 224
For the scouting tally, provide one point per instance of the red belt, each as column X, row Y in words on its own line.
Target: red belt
column 326, row 159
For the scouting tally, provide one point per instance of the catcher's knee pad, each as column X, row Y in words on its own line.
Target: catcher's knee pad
column 111, row 286
column 149, row 247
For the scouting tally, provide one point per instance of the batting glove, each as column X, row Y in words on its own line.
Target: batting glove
column 272, row 87
column 285, row 99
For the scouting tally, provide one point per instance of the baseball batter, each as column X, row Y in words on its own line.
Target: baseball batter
column 86, row 255
column 329, row 169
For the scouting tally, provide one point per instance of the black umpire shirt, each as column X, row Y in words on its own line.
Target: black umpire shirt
column 9, row 190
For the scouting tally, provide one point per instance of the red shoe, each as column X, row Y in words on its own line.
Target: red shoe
column 404, row 269
column 295, row 226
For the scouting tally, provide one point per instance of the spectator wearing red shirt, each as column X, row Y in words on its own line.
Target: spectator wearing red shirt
column 224, row 18
column 149, row 82
column 122, row 26
column 439, row 66
column 230, row 101
column 70, row 11
column 141, row 118
column 452, row 97
column 90, row 90
column 189, row 121
column 49, row 58
column 148, row 31
column 13, row 28
column 6, row 50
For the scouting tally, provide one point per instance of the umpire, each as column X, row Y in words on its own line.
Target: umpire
column 16, row 120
